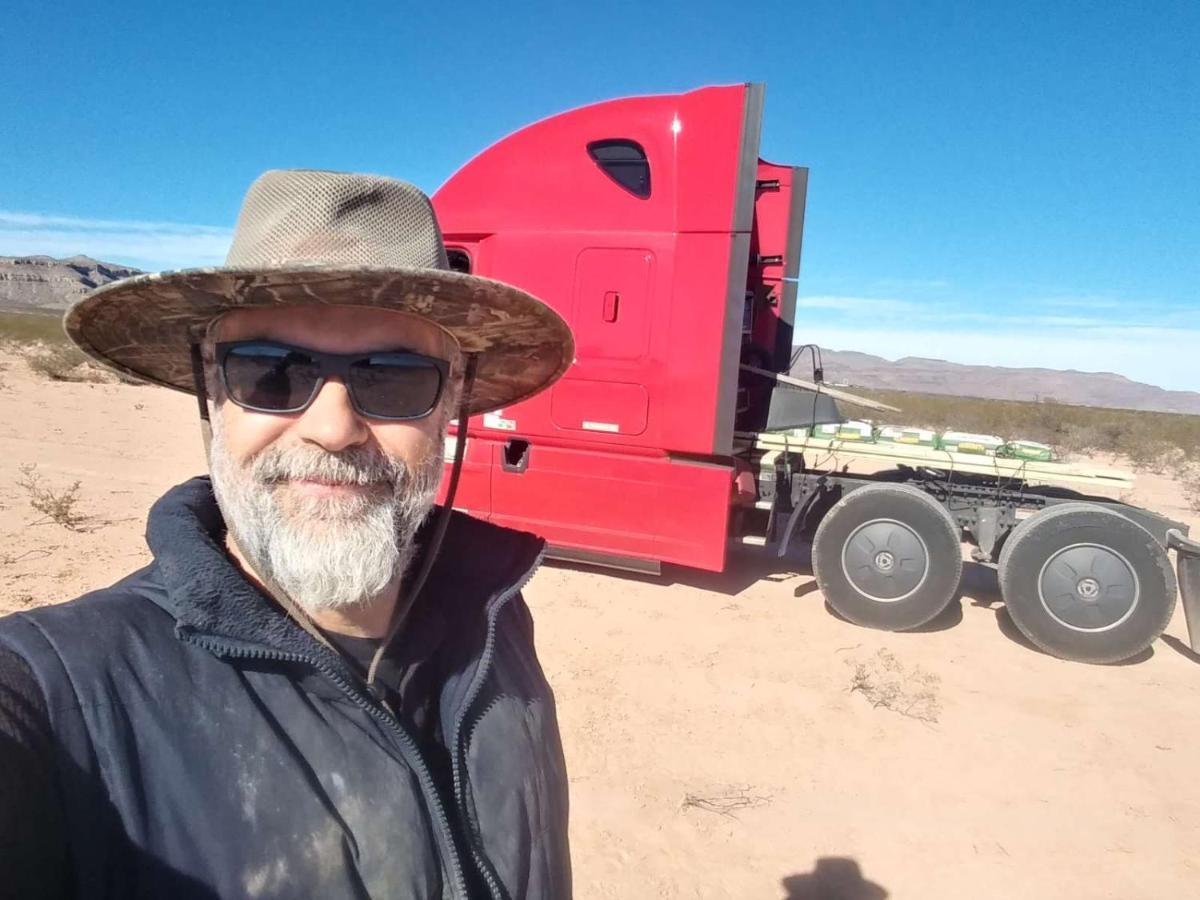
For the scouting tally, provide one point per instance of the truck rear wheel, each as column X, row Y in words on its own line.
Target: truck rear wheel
column 1084, row 583
column 887, row 556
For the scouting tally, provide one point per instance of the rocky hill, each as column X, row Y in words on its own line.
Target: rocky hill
column 45, row 284
column 936, row 376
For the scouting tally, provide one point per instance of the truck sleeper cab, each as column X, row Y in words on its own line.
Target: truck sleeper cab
column 672, row 250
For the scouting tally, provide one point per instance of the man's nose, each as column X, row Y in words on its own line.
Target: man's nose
column 331, row 421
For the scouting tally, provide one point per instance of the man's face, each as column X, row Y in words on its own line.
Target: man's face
column 325, row 502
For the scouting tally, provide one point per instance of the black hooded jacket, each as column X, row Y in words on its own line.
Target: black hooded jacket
column 201, row 744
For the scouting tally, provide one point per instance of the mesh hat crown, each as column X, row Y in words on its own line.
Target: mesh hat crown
column 307, row 237
column 304, row 217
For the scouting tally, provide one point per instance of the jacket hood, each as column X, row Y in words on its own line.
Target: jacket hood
column 209, row 596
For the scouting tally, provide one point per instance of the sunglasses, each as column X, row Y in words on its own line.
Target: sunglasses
column 267, row 376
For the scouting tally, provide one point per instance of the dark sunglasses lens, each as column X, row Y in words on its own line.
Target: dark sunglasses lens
column 270, row 378
column 395, row 387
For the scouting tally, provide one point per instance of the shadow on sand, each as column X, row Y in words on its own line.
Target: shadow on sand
column 833, row 878
column 745, row 567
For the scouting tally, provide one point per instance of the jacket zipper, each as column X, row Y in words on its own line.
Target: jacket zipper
column 381, row 712
column 458, row 757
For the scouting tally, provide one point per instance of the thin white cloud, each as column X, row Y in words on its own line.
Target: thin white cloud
column 1021, row 312
column 1082, row 301
column 147, row 245
column 855, row 305
column 911, row 284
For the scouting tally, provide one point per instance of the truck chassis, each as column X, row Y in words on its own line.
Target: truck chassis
column 1084, row 577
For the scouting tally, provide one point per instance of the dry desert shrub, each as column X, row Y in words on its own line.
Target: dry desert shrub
column 889, row 684
column 59, row 506
column 1188, row 476
column 1157, row 456
column 1148, row 439
column 62, row 362
column 28, row 328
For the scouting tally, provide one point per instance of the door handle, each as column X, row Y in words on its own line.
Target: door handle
column 515, row 456
column 612, row 305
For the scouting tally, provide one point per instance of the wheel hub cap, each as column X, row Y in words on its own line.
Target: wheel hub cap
column 1087, row 587
column 885, row 560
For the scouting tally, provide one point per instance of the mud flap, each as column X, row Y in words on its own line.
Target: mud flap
column 1187, row 563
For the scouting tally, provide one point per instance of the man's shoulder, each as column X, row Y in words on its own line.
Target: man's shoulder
column 96, row 613
column 466, row 527
column 484, row 549
column 78, row 648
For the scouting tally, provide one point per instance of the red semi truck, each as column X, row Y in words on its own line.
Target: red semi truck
column 673, row 250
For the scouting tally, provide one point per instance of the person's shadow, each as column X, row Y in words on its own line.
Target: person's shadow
column 833, row 878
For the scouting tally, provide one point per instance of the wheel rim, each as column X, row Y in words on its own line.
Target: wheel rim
column 885, row 560
column 1087, row 587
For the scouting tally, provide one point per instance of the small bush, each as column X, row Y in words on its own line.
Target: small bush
column 56, row 505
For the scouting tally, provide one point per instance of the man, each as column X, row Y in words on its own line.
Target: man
column 316, row 689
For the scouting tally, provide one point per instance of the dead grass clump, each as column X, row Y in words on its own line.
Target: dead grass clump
column 888, row 684
column 726, row 802
column 59, row 506
column 8, row 559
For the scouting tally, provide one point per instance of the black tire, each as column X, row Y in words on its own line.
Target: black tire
column 887, row 556
column 1006, row 547
column 1084, row 583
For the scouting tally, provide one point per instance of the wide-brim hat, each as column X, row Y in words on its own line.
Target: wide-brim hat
column 328, row 238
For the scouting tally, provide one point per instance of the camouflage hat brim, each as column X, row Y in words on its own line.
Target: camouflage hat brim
column 144, row 326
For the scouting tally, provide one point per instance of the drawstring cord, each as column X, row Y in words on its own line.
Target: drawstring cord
column 405, row 603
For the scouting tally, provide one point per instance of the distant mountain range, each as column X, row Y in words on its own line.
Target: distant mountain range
column 44, row 284
column 936, row 376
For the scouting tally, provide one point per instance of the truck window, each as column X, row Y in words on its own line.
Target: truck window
column 624, row 161
column 460, row 260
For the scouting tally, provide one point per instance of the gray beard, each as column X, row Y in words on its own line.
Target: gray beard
column 324, row 553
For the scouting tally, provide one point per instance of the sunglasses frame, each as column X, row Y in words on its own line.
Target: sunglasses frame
column 332, row 364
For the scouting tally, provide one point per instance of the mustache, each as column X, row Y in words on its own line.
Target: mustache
column 357, row 466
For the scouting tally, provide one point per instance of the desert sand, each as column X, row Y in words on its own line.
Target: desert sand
column 715, row 746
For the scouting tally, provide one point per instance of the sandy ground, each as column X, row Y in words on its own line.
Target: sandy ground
column 715, row 747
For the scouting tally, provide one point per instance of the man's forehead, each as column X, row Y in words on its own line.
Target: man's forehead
column 336, row 329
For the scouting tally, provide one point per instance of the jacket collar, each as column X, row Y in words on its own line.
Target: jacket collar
column 210, row 598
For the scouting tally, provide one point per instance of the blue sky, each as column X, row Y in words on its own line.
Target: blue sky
column 1012, row 183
